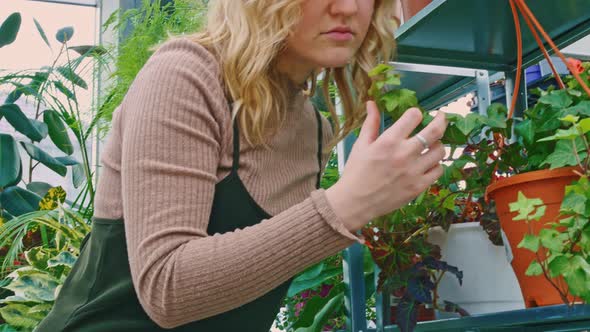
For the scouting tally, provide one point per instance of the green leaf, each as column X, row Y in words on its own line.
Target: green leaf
column 12, row 98
column 579, row 262
column 526, row 130
column 496, row 116
column 19, row 316
column 311, row 272
column 41, row 32
column 557, row 99
column 564, row 154
column 43, row 308
column 574, row 203
column 58, row 132
column 63, row 35
column 78, row 175
column 454, row 136
column 570, row 118
column 43, row 157
column 578, row 282
column 539, row 213
column 530, row 242
column 551, row 239
column 88, row 50
column 562, row 134
column 398, row 101
column 39, row 188
column 62, row 88
column 64, row 258
column 21, row 123
column 581, row 109
column 380, row 69
column 559, row 265
column 468, row 123
column 71, row 76
column 37, row 257
column 18, row 201
column 393, row 80
column 584, row 125
column 9, row 29
column 67, row 160
column 534, row 269
column 7, row 328
column 525, row 206
column 322, row 309
column 298, row 286
column 10, row 162
column 37, row 287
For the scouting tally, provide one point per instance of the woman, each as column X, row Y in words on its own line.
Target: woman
column 208, row 202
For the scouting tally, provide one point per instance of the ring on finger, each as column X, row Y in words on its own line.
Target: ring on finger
column 423, row 141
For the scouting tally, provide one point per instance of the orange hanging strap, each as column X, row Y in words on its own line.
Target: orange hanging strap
column 532, row 23
column 527, row 12
column 519, row 59
column 542, row 48
column 499, row 139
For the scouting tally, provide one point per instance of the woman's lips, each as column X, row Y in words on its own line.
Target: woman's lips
column 339, row 35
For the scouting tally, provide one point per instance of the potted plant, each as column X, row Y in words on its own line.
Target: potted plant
column 551, row 152
column 40, row 231
column 402, row 243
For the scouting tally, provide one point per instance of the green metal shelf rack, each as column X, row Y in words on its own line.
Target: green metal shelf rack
column 448, row 49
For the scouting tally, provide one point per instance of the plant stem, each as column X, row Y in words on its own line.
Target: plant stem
column 435, row 290
column 576, row 154
column 421, row 230
column 544, row 268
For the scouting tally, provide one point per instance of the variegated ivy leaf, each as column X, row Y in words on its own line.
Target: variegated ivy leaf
column 64, row 258
column 19, row 316
column 564, row 154
column 36, row 287
column 527, row 209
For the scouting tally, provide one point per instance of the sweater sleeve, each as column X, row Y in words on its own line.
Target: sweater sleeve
column 170, row 152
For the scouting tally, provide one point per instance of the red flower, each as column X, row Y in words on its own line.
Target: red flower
column 576, row 65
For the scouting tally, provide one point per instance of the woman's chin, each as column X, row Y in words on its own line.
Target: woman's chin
column 336, row 63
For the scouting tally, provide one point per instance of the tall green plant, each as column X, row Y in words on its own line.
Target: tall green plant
column 150, row 24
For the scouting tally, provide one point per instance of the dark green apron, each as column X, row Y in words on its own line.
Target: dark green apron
column 98, row 295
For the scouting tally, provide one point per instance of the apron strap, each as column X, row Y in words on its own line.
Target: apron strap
column 236, row 158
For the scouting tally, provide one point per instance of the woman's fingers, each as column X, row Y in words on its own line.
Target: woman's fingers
column 403, row 127
column 432, row 175
column 370, row 129
column 431, row 158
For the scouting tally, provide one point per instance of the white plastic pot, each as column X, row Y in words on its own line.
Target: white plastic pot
column 489, row 283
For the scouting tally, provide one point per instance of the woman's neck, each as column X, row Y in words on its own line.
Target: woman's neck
column 295, row 70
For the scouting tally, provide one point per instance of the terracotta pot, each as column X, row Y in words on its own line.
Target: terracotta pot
column 412, row 7
column 548, row 185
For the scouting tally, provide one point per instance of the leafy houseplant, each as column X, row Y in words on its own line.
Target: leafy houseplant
column 552, row 150
column 26, row 212
column 410, row 265
column 39, row 234
column 150, row 23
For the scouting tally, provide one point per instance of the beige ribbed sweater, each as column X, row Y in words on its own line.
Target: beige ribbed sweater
column 171, row 142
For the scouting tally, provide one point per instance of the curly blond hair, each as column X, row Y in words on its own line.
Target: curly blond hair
column 247, row 36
